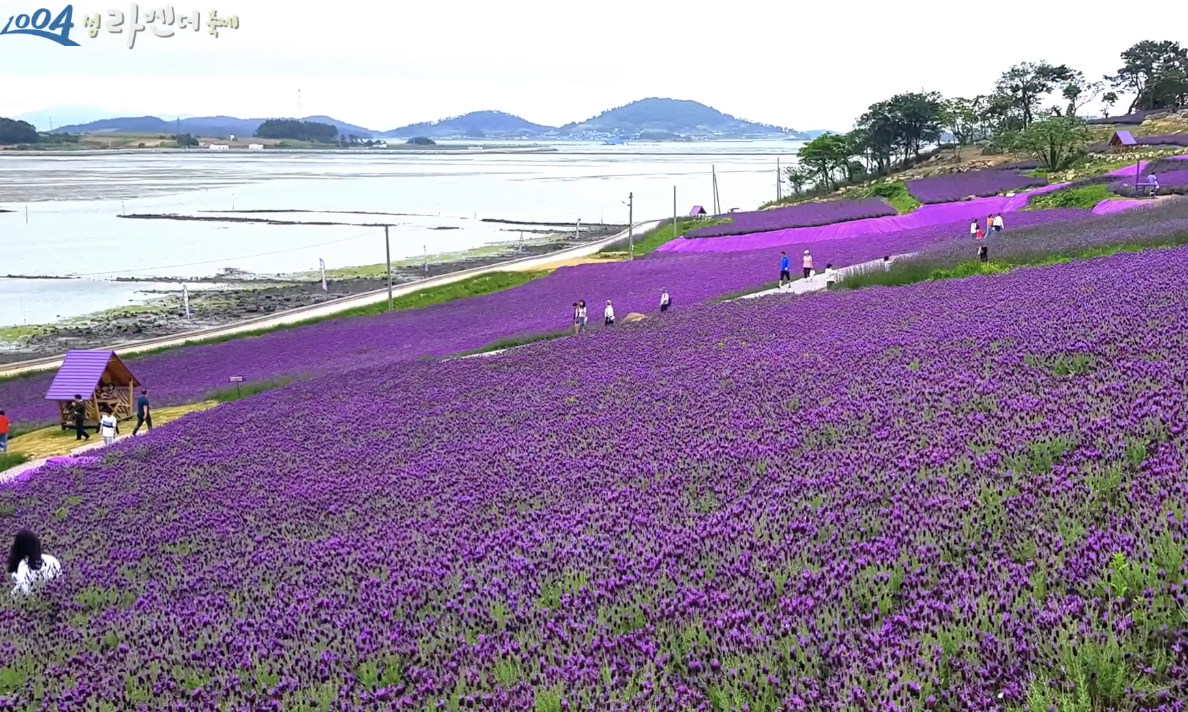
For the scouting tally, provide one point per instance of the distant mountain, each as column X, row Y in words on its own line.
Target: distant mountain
column 55, row 116
column 206, row 126
column 675, row 116
column 476, row 124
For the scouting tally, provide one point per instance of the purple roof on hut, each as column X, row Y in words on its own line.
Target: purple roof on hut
column 1124, row 138
column 80, row 374
column 697, row 210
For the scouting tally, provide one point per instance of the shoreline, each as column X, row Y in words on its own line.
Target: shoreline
column 247, row 297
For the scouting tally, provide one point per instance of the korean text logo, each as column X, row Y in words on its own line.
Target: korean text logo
column 162, row 22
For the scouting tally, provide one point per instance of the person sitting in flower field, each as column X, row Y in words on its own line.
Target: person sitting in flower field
column 28, row 567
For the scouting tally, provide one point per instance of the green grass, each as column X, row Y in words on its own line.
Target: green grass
column 894, row 192
column 10, row 460
column 514, row 341
column 650, row 241
column 246, row 390
column 1085, row 198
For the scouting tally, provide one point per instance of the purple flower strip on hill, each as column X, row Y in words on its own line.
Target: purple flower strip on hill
column 921, row 498
column 958, row 186
column 804, row 215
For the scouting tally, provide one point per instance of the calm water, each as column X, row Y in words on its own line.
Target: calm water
column 74, row 202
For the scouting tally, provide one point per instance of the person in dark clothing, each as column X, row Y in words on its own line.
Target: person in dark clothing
column 983, row 254
column 79, row 410
column 144, row 412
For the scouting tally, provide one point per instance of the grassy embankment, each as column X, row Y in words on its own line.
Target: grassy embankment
column 894, row 192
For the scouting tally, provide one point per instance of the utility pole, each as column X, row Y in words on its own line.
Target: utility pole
column 631, row 226
column 426, row 249
column 779, row 183
column 674, row 230
column 388, row 254
column 577, row 231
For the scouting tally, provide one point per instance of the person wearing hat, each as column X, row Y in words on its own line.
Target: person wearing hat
column 665, row 300
column 808, row 264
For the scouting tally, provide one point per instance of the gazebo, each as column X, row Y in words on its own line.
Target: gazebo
column 1122, row 140
column 101, row 378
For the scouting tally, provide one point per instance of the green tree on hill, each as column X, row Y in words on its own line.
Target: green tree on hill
column 1024, row 86
column 297, row 130
column 900, row 126
column 12, row 132
column 1156, row 73
column 1056, row 142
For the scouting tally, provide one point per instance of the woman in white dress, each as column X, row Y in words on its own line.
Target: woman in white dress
column 27, row 566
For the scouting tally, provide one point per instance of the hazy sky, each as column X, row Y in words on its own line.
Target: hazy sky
column 383, row 65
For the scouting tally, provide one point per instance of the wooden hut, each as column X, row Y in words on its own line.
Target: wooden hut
column 101, row 378
column 1122, row 140
column 698, row 212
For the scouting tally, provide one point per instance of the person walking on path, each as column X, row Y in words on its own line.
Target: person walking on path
column 575, row 317
column 665, row 300
column 807, row 263
column 144, row 412
column 785, row 268
column 581, row 315
column 27, row 566
column 983, row 253
column 998, row 225
column 973, row 228
column 887, row 263
column 608, row 315
column 78, row 409
column 108, row 426
column 5, row 424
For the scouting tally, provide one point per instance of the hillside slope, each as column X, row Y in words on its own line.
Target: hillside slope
column 476, row 123
column 677, row 116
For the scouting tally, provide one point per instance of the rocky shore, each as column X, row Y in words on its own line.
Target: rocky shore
column 239, row 298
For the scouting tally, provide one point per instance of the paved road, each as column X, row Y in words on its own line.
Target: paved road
column 338, row 305
column 817, row 282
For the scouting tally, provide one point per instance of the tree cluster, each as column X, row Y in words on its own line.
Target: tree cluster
column 295, row 130
column 1016, row 115
column 14, row 132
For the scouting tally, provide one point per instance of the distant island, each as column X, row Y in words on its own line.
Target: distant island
column 652, row 119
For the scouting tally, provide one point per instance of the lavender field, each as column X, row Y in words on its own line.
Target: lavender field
column 341, row 346
column 961, row 495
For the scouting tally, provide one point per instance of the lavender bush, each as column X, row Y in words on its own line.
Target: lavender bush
column 966, row 497
column 804, row 215
column 958, row 186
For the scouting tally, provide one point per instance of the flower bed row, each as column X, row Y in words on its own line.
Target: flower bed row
column 969, row 496
column 954, row 187
column 804, row 215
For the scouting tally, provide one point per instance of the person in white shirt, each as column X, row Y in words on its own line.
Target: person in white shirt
column 665, row 300
column 581, row 315
column 108, row 426
column 973, row 228
column 887, row 264
column 608, row 314
column 27, row 566
column 1153, row 184
column 998, row 223
column 830, row 276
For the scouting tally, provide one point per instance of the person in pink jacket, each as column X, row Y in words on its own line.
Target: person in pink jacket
column 808, row 264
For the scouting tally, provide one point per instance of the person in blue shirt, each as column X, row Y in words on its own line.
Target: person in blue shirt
column 144, row 412
column 785, row 268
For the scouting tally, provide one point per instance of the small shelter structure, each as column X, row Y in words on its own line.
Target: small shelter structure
column 1122, row 140
column 698, row 212
column 101, row 378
